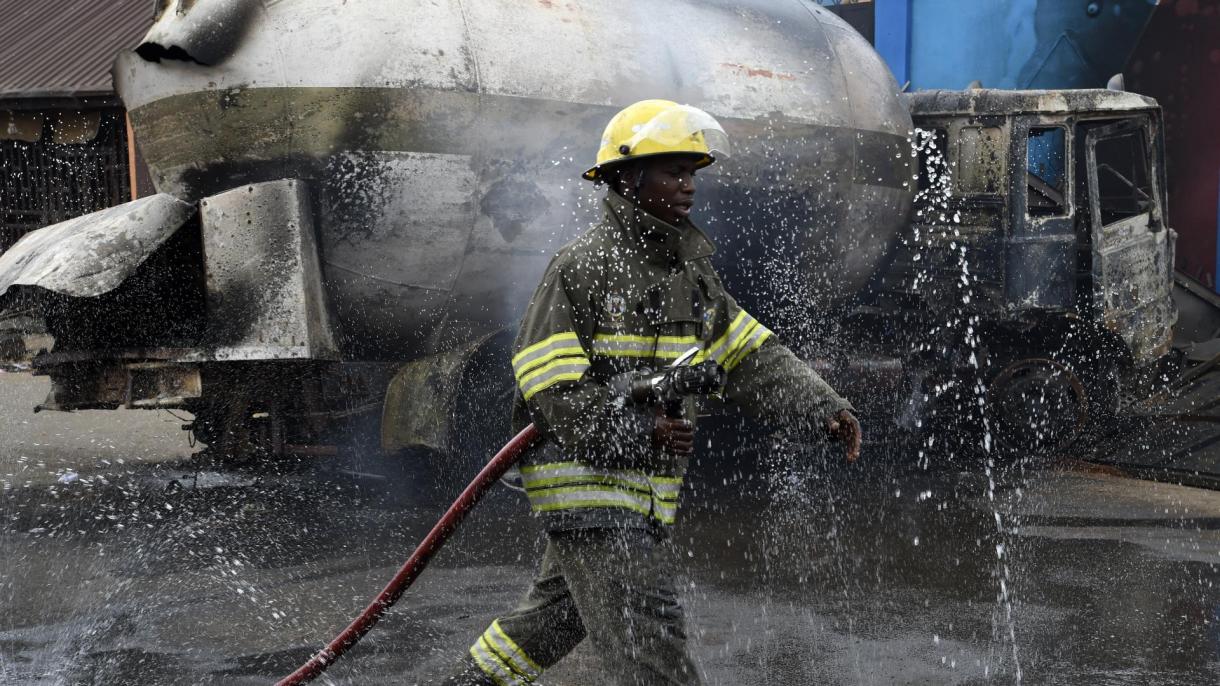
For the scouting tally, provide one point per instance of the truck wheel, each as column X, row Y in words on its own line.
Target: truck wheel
column 1036, row 406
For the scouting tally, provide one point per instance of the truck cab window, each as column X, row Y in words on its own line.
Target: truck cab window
column 1045, row 171
column 1123, row 187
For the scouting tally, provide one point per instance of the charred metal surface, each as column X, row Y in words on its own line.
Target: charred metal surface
column 200, row 31
column 142, row 385
column 93, row 254
column 1132, row 257
column 1022, row 244
column 153, row 385
column 1135, row 288
column 264, row 289
column 86, row 386
column 1037, row 267
column 982, row 102
column 442, row 151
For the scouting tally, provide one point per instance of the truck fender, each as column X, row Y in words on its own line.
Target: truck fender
column 452, row 402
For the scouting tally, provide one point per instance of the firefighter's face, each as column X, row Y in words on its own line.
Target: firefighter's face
column 668, row 188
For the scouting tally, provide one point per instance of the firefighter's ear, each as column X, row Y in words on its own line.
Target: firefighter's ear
column 622, row 178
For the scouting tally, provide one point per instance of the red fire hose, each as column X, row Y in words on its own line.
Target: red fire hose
column 419, row 559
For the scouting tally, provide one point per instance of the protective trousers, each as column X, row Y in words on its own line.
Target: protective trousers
column 612, row 585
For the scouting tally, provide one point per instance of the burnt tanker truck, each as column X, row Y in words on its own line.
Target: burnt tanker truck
column 354, row 202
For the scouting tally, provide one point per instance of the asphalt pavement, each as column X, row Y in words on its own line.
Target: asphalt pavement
column 125, row 564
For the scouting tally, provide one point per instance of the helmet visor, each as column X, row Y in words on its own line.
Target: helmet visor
column 681, row 128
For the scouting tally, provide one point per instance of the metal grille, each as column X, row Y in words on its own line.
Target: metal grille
column 44, row 182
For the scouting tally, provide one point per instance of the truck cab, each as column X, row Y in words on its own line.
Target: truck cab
column 1040, row 228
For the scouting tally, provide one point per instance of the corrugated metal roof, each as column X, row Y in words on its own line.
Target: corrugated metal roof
column 52, row 48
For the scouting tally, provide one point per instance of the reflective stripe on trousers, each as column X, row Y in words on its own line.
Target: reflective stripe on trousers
column 559, row 486
column 616, row 588
column 502, row 659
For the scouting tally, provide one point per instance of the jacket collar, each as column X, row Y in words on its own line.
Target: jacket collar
column 663, row 244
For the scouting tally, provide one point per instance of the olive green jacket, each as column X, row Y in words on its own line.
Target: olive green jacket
column 636, row 292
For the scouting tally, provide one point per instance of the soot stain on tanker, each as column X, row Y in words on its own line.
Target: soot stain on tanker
column 356, row 191
column 513, row 204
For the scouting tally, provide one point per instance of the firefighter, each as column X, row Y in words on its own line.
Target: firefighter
column 636, row 290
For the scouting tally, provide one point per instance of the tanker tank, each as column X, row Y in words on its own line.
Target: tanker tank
column 441, row 142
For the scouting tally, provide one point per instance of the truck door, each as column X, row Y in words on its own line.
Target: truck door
column 1041, row 255
column 1131, row 249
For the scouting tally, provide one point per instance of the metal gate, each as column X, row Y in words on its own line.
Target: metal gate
column 69, row 169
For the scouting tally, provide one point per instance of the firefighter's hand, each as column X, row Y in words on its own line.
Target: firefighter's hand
column 845, row 428
column 674, row 436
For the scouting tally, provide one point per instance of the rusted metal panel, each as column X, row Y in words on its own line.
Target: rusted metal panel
column 153, row 385
column 1041, row 251
column 65, row 47
column 93, row 254
column 110, row 385
column 1023, row 238
column 1134, row 282
column 264, row 283
column 1131, row 245
column 998, row 102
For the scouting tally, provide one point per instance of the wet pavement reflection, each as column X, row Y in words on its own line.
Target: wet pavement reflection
column 817, row 574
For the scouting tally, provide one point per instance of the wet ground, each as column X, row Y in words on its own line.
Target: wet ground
column 145, row 571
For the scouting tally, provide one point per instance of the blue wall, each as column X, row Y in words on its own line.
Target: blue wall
column 1008, row 43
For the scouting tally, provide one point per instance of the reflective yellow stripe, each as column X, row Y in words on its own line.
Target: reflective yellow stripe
column 630, row 338
column 739, row 341
column 491, row 666
column 530, row 669
column 719, row 350
column 551, row 354
column 572, row 464
column 666, row 515
column 759, row 337
column 502, row 659
column 564, row 335
column 560, row 344
column 590, row 499
column 562, row 369
column 573, row 468
column 666, row 489
column 593, row 481
column 625, row 345
column 550, row 381
column 558, row 486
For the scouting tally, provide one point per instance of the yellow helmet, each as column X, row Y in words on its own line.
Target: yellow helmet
column 660, row 127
